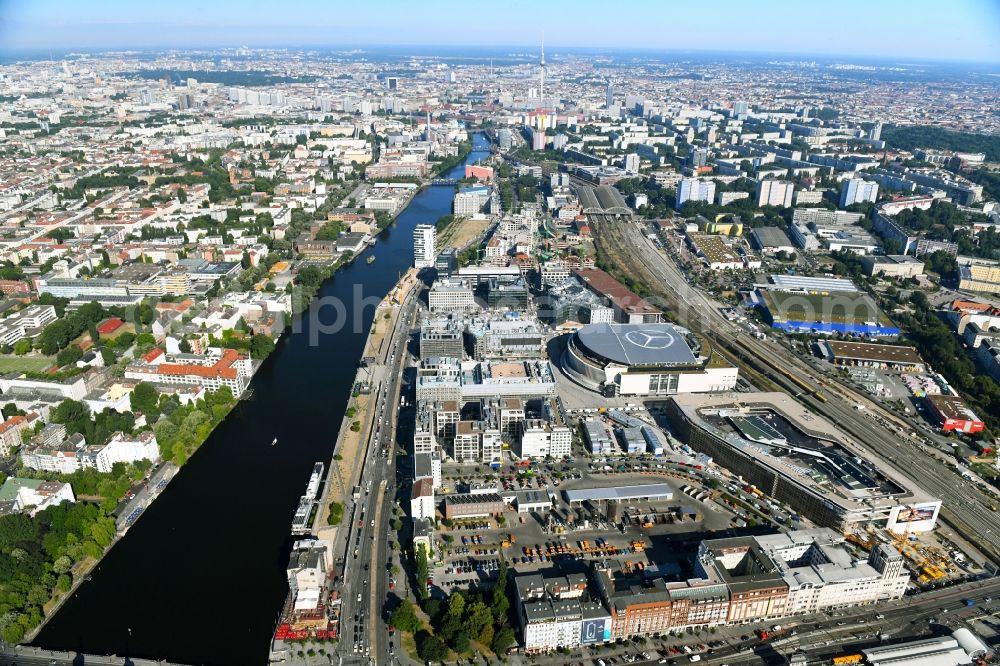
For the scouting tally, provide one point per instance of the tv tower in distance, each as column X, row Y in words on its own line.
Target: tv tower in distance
column 541, row 76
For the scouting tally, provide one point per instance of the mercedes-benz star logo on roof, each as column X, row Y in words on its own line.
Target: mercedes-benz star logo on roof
column 650, row 339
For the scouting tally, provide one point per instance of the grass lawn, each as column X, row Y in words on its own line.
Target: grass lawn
column 464, row 231
column 33, row 363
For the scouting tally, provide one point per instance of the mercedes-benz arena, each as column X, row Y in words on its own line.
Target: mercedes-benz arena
column 644, row 359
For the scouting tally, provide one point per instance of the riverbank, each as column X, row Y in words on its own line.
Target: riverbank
column 238, row 493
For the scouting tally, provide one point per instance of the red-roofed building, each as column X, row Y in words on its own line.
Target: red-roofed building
column 17, row 288
column 212, row 371
column 969, row 306
column 153, row 356
column 629, row 307
column 180, row 306
column 10, row 431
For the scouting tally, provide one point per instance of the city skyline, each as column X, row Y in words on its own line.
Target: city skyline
column 925, row 31
column 447, row 333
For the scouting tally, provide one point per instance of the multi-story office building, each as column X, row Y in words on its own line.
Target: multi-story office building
column 447, row 262
column 642, row 606
column 470, row 201
column 506, row 338
column 442, row 337
column 476, row 441
column 757, row 590
column 549, row 436
column 424, row 241
column 857, row 190
column 451, row 296
column 820, row 573
column 512, row 415
column 504, row 295
column 694, row 189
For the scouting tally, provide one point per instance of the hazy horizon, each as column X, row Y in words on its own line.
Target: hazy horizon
column 966, row 31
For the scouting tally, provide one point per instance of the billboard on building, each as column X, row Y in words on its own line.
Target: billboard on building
column 595, row 630
column 914, row 517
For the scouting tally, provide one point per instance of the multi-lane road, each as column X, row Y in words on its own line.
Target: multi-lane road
column 364, row 635
column 965, row 505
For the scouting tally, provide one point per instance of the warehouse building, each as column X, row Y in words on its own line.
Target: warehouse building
column 953, row 414
column 470, row 505
column 870, row 355
column 771, row 240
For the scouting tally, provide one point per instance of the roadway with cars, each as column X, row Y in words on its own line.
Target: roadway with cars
column 821, row 635
column 364, row 635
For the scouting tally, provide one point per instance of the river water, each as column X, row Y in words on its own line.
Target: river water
column 200, row 578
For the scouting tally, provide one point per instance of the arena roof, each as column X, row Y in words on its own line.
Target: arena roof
column 637, row 344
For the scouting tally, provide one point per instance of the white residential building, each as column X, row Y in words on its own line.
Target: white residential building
column 470, row 201
column 73, row 454
column 33, row 495
column 424, row 242
column 422, row 500
column 540, row 438
column 774, row 193
column 28, row 322
column 857, row 190
column 694, row 189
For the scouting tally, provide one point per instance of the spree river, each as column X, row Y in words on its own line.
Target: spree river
column 200, row 577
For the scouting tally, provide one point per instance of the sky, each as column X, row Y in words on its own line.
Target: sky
column 956, row 30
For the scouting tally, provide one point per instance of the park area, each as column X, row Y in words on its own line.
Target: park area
column 461, row 232
column 32, row 363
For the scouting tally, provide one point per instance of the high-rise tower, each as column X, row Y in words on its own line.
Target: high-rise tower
column 541, row 76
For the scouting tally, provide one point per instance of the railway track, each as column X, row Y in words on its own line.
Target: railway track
column 626, row 250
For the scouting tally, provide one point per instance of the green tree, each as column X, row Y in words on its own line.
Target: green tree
column 503, row 639
column 477, row 616
column 919, row 300
column 404, row 617
column 145, row 400
column 69, row 356
column 422, row 569
column 261, row 346
column 460, row 642
column 430, row 647
column 456, row 605
column 22, row 346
